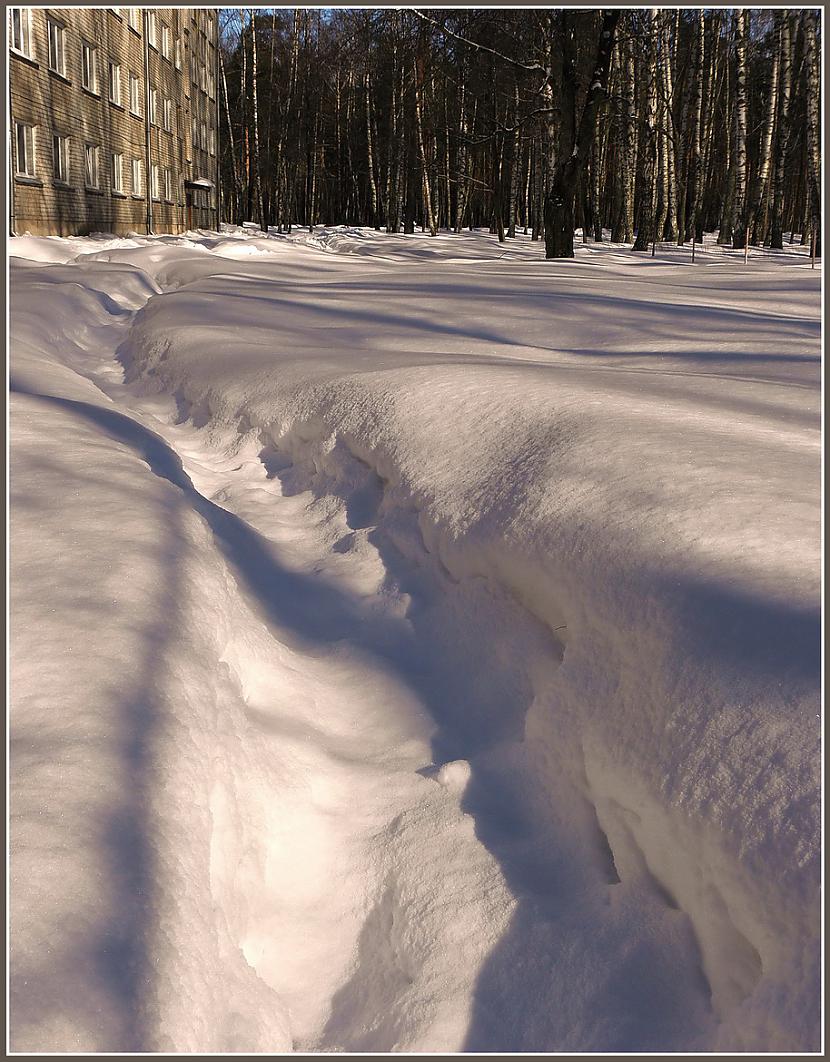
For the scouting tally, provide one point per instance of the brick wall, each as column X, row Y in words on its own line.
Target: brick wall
column 55, row 102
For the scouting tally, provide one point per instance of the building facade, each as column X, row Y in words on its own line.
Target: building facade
column 113, row 120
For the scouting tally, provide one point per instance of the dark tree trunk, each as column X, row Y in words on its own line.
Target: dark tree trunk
column 559, row 202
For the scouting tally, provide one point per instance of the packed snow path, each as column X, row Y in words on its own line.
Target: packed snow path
column 414, row 647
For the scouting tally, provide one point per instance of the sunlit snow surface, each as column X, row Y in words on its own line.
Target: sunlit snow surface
column 415, row 645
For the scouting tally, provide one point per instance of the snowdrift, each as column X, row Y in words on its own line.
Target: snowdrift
column 617, row 458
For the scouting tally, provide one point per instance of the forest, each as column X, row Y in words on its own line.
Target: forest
column 647, row 125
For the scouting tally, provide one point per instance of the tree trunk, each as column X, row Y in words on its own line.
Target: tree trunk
column 559, row 203
column 811, row 73
column 370, row 159
column 645, row 227
column 257, row 153
column 756, row 193
column 234, row 171
column 419, row 129
column 739, row 233
column 776, row 235
column 693, row 223
column 669, row 229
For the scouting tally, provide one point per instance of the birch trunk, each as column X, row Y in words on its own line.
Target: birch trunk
column 811, row 74
column 776, row 235
column 759, row 185
column 739, row 234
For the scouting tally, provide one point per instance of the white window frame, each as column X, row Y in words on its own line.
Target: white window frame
column 153, row 115
column 166, row 39
column 167, row 114
column 168, row 184
column 24, row 19
column 114, row 83
column 89, row 67
column 136, row 183
column 60, row 158
column 154, row 181
column 117, row 172
column 135, row 94
column 27, row 167
column 134, row 18
column 211, row 141
column 151, row 29
column 92, row 169
column 56, row 37
column 177, row 53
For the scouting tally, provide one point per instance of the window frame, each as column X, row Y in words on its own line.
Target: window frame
column 117, row 172
column 29, row 150
column 56, row 60
column 113, row 66
column 135, row 80
column 25, row 47
column 155, row 189
column 61, row 158
column 152, row 113
column 93, row 184
column 135, row 167
column 89, row 76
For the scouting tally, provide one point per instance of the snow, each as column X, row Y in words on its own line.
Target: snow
column 416, row 632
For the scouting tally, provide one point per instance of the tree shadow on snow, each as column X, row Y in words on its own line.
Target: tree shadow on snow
column 119, row 957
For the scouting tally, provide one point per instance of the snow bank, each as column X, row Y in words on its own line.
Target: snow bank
column 617, row 458
column 665, row 529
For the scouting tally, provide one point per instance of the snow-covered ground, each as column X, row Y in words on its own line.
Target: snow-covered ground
column 415, row 645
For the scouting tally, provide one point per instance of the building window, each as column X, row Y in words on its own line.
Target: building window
column 57, row 47
column 91, row 165
column 167, row 115
column 168, row 185
column 166, row 50
column 115, row 83
column 60, row 158
column 134, row 18
column 153, row 101
column 24, row 138
column 135, row 94
column 212, row 141
column 118, row 173
column 151, row 29
column 136, row 176
column 154, row 181
column 89, row 67
column 21, row 30
column 203, row 136
column 177, row 50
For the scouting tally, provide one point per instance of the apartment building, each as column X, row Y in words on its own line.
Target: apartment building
column 113, row 120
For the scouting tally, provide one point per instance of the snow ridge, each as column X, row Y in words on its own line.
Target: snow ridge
column 622, row 701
